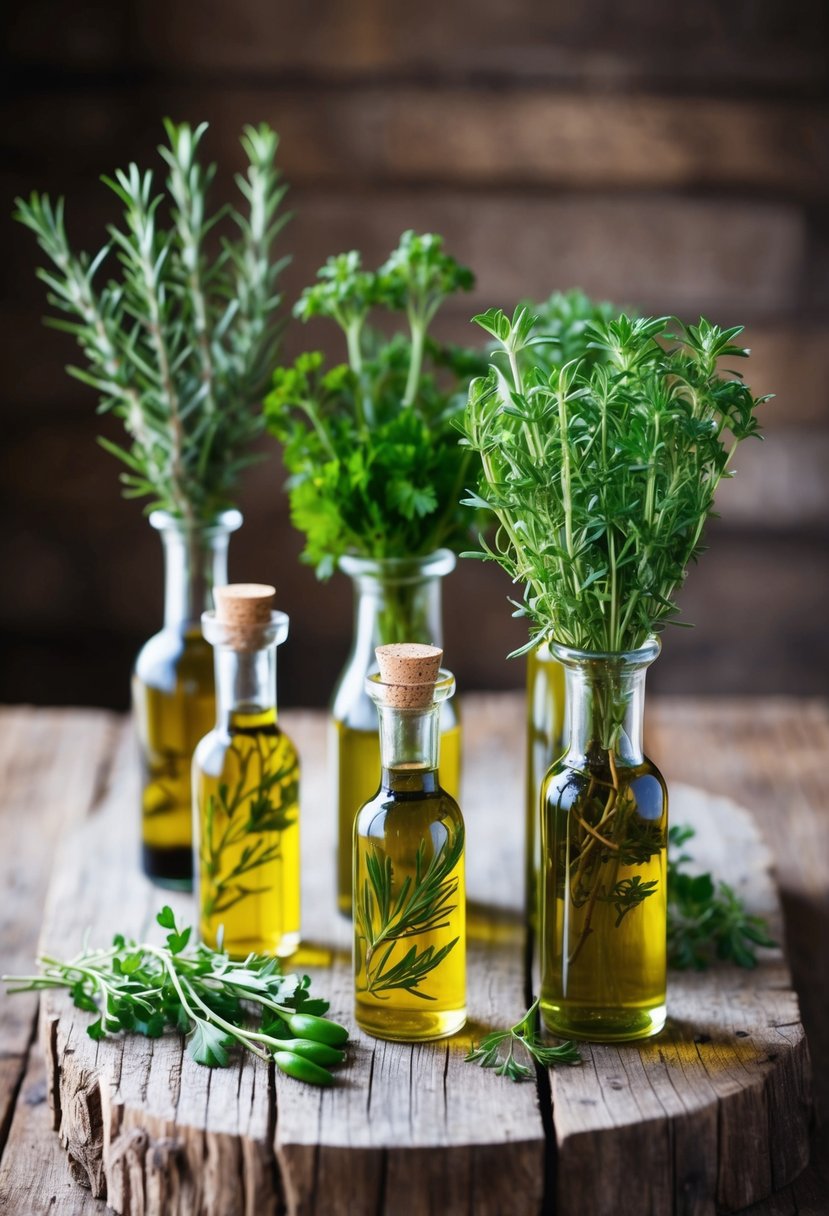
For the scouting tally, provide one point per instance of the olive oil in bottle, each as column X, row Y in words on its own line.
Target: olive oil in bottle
column 395, row 600
column 246, row 787
column 409, row 839
column 604, row 827
column 173, row 692
column 545, row 743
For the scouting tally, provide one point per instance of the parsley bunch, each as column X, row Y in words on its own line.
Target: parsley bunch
column 143, row 989
column 371, row 445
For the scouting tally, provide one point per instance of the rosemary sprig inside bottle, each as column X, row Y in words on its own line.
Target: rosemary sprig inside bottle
column 423, row 904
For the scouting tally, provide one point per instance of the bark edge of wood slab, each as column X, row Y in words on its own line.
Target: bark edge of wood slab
column 713, row 1114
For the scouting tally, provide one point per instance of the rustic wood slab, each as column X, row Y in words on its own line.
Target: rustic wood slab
column 702, row 1116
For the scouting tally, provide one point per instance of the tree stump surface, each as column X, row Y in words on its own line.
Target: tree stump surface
column 711, row 1116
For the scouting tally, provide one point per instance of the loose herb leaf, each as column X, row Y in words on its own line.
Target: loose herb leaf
column 707, row 919
column 219, row 1004
column 524, row 1035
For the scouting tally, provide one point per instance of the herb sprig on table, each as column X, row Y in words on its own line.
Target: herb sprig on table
column 602, row 475
column 179, row 341
column 497, row 1049
column 706, row 918
column 143, row 988
column 371, row 446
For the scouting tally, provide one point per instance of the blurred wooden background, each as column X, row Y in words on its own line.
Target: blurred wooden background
column 675, row 158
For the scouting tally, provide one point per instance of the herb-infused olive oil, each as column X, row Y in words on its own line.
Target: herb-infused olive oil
column 246, row 787
column 173, row 695
column 356, row 756
column 604, row 829
column 409, row 891
column 396, row 600
column 545, row 743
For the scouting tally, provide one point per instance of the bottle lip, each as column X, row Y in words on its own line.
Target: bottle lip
column 642, row 656
column 223, row 522
column 259, row 637
column 399, row 569
column 443, row 688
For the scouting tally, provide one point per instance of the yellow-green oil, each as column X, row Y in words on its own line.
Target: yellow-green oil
column 545, row 743
column 603, row 833
column 390, row 829
column 355, row 756
column 246, row 798
column 174, row 707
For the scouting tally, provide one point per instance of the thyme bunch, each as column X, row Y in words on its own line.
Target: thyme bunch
column 179, row 341
column 601, row 474
column 371, row 445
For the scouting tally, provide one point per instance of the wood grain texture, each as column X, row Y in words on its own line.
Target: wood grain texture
column 413, row 1129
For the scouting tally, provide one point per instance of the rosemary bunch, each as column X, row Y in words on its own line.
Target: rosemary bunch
column 179, row 340
column 371, row 445
column 601, row 474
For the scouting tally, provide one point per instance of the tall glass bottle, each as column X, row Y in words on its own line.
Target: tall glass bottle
column 246, row 786
column 395, row 600
column 604, row 827
column 172, row 692
column 545, row 743
column 409, row 890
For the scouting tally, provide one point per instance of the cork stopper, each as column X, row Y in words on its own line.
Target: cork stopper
column 409, row 671
column 243, row 609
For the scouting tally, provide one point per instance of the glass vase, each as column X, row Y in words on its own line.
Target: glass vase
column 173, row 692
column 395, row 600
column 545, row 743
column 604, row 824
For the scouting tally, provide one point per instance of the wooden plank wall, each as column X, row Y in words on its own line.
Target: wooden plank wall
column 676, row 159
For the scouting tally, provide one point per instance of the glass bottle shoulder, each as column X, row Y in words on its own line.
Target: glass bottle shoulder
column 569, row 779
column 427, row 813
column 224, row 746
column 174, row 659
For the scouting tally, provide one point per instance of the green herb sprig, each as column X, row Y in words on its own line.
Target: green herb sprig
column 371, row 446
column 142, row 988
column 180, row 341
column 601, row 475
column 423, row 904
column 706, row 918
column 497, row 1049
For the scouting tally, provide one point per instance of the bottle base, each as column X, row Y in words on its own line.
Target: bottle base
column 598, row 1024
column 170, row 868
column 239, row 948
column 409, row 1026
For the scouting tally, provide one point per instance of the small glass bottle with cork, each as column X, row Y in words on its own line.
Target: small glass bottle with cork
column 409, row 839
column 246, row 786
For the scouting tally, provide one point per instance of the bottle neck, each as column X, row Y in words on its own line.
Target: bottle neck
column 409, row 748
column 396, row 600
column 605, row 710
column 245, row 686
column 195, row 561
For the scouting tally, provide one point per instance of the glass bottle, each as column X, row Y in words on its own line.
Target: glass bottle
column 604, row 825
column 409, row 890
column 172, row 692
column 395, row 600
column 545, row 743
column 246, row 787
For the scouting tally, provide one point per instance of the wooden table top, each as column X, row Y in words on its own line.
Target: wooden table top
column 770, row 755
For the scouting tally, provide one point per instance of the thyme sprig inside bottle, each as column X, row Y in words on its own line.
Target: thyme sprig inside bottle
column 601, row 476
column 246, row 787
column 409, row 891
